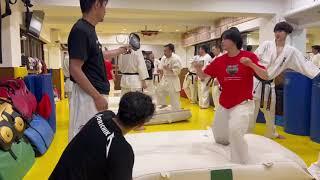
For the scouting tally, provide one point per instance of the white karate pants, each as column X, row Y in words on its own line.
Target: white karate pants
column 216, row 95
column 163, row 92
column 229, row 128
column 191, row 89
column 203, row 92
column 82, row 109
column 269, row 115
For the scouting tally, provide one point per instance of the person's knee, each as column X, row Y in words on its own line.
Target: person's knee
column 221, row 140
column 237, row 133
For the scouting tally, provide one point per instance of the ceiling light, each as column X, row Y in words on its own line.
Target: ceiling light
column 124, row 29
column 177, row 30
column 160, row 29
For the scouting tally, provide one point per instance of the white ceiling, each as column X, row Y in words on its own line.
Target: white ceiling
column 118, row 20
column 305, row 17
column 124, row 16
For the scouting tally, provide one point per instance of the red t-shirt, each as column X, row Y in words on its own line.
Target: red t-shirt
column 108, row 65
column 235, row 78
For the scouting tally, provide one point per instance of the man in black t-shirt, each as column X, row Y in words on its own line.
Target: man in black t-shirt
column 99, row 150
column 87, row 69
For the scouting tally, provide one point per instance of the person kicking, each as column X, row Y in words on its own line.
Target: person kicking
column 234, row 71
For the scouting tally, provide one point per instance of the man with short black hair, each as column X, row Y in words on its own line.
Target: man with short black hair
column 99, row 150
column 87, row 69
column 277, row 56
column 170, row 67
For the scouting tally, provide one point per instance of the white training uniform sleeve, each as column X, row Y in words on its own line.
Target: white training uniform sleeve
column 142, row 67
column 207, row 59
column 300, row 64
column 176, row 67
column 120, row 58
column 261, row 51
column 161, row 64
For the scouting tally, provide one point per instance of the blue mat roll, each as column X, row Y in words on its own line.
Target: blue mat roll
column 315, row 111
column 297, row 104
column 39, row 134
column 40, row 85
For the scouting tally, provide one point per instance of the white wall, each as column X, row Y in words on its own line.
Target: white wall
column 11, row 48
column 253, row 39
column 54, row 56
column 313, row 37
column 45, row 34
column 190, row 54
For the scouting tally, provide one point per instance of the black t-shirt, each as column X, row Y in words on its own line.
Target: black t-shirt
column 98, row 151
column 83, row 44
column 150, row 67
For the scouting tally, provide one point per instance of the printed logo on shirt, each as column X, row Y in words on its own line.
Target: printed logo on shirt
column 106, row 132
column 232, row 69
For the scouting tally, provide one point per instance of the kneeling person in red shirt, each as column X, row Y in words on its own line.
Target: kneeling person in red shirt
column 234, row 71
column 99, row 150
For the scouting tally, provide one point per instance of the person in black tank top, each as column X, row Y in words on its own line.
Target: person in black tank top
column 99, row 150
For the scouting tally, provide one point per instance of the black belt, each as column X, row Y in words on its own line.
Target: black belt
column 263, row 88
column 158, row 77
column 130, row 74
column 192, row 74
column 210, row 82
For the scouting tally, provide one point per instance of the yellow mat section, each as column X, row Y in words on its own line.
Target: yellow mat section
column 201, row 119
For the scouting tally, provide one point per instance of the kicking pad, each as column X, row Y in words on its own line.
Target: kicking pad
column 167, row 115
column 161, row 116
column 189, row 155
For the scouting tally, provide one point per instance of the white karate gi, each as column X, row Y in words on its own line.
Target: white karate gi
column 290, row 58
column 216, row 89
column 156, row 75
column 68, row 84
column 204, row 86
column 82, row 109
column 170, row 82
column 132, row 63
column 229, row 127
column 190, row 84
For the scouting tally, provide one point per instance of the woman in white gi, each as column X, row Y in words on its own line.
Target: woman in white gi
column 217, row 51
column 277, row 56
column 190, row 83
column 204, row 84
column 133, row 72
column 235, row 72
column 170, row 67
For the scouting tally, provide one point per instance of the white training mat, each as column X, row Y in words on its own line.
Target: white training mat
column 193, row 155
column 161, row 116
